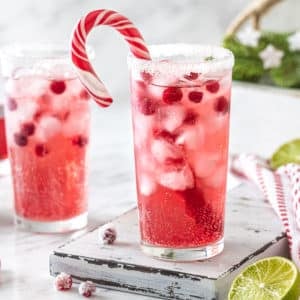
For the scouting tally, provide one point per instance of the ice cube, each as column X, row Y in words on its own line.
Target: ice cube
column 26, row 110
column 204, row 164
column 162, row 150
column 27, row 86
column 77, row 122
column 147, row 185
column 47, row 127
column 177, row 180
column 171, row 117
column 143, row 127
column 191, row 137
column 145, row 161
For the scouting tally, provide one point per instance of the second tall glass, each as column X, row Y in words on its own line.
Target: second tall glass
column 180, row 106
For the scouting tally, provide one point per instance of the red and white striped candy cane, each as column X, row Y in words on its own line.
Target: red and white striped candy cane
column 87, row 75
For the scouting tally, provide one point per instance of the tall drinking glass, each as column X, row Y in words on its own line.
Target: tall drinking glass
column 47, row 128
column 180, row 107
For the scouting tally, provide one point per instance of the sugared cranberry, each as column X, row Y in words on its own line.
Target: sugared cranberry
column 58, row 87
column 166, row 135
column 20, row 139
column 79, row 141
column 41, row 150
column 84, row 95
column 63, row 282
column 87, row 288
column 191, row 118
column 27, row 128
column 172, row 95
column 147, row 77
column 107, row 234
column 221, row 105
column 212, row 86
column 147, row 106
column 12, row 104
column 191, row 76
column 195, row 96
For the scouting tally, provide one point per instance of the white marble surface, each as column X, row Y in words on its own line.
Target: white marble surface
column 258, row 125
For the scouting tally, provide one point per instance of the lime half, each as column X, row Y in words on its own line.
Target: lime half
column 274, row 278
column 287, row 153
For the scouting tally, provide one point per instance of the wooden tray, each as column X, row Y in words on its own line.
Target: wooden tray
column 252, row 232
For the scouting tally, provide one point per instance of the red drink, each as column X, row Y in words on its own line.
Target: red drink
column 48, row 118
column 181, row 125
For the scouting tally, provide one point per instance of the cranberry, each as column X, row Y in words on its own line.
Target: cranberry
column 172, row 95
column 27, row 128
column 177, row 163
column 80, row 141
column 84, row 95
column 12, row 104
column 107, row 234
column 58, row 87
column 37, row 115
column 147, row 77
column 166, row 135
column 221, row 105
column 87, row 288
column 190, row 118
column 195, row 96
column 191, row 76
column 20, row 139
column 41, row 150
column 147, row 107
column 63, row 282
column 212, row 86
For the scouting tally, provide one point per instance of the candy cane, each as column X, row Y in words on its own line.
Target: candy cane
column 86, row 73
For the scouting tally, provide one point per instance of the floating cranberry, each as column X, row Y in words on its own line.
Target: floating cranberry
column 166, row 135
column 58, row 87
column 79, row 141
column 172, row 95
column 195, row 96
column 20, row 139
column 41, row 150
column 27, row 128
column 12, row 104
column 84, row 95
column 146, row 106
column 147, row 77
column 191, row 118
column 191, row 76
column 221, row 105
column 212, row 86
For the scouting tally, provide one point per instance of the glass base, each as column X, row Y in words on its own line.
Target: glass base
column 75, row 223
column 184, row 254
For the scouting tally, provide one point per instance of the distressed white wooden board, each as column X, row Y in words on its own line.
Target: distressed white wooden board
column 252, row 232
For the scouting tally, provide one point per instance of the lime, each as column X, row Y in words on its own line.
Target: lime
column 274, row 278
column 287, row 153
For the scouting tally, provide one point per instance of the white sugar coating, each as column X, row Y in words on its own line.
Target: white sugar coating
column 147, row 184
column 161, row 150
column 171, row 117
column 181, row 59
column 204, row 164
column 192, row 137
column 77, row 121
column 177, row 180
column 27, row 86
column 86, row 288
column 107, row 234
column 47, row 127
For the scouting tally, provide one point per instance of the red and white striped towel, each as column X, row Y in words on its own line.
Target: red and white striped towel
column 281, row 188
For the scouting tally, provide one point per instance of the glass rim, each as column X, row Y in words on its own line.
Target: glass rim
column 221, row 57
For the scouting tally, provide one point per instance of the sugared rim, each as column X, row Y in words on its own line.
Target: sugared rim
column 184, row 57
